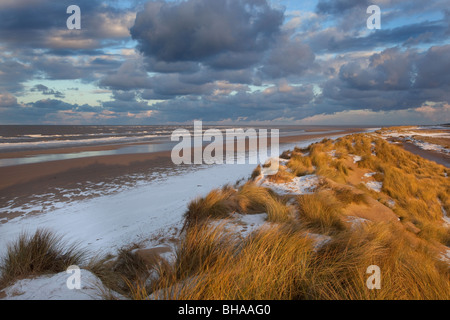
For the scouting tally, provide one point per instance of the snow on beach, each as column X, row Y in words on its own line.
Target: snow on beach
column 413, row 136
column 108, row 222
column 111, row 221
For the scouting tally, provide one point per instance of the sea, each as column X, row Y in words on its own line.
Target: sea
column 126, row 139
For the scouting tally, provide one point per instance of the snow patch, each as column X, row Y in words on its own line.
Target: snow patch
column 446, row 256
column 54, row 287
column 299, row 185
column 356, row 221
column 355, row 158
column 374, row 185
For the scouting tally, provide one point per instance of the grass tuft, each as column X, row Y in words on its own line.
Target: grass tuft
column 37, row 254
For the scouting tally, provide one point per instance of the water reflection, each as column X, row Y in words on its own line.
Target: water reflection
column 134, row 149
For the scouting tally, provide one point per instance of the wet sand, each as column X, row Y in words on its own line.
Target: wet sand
column 31, row 178
column 435, row 156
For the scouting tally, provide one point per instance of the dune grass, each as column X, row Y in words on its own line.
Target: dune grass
column 320, row 212
column 281, row 261
column 216, row 204
column 248, row 199
column 265, row 266
column 43, row 252
column 407, row 271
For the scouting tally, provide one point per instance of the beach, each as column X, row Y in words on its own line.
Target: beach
column 137, row 202
column 148, row 187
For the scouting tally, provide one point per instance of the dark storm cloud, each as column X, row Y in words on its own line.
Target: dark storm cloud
column 7, row 100
column 433, row 69
column 130, row 75
column 223, row 59
column 392, row 80
column 289, row 57
column 223, row 34
column 42, row 24
column 282, row 101
column 13, row 73
column 126, row 106
column 332, row 40
column 52, row 104
column 340, row 6
column 171, row 67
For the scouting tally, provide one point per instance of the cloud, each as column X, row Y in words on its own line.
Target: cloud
column 175, row 61
column 42, row 24
column 13, row 73
column 7, row 100
column 392, row 79
column 289, row 57
column 222, row 34
column 47, row 91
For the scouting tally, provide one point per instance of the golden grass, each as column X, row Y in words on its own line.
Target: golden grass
column 256, row 173
column 348, row 196
column 300, row 166
column 126, row 273
column 282, row 176
column 248, row 199
column 216, row 204
column 407, row 272
column 266, row 266
column 280, row 263
column 320, row 212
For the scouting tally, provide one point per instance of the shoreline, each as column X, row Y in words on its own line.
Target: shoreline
column 71, row 170
column 24, row 189
column 115, row 146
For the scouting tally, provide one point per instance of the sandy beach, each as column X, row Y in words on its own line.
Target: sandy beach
column 73, row 191
column 27, row 179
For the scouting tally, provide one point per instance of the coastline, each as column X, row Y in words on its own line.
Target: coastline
column 77, row 170
column 149, row 216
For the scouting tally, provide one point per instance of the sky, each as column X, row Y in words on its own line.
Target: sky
column 225, row 62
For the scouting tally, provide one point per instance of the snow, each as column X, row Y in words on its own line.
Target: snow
column 430, row 146
column 390, row 203
column 356, row 221
column 54, row 287
column 355, row 158
column 409, row 136
column 374, row 185
column 445, row 217
column 132, row 215
column 446, row 256
column 298, row 185
column 332, row 153
column 243, row 225
column 399, row 134
column 110, row 221
column 371, row 174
